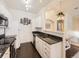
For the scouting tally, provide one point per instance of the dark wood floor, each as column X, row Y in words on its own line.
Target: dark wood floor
column 27, row 50
column 72, row 51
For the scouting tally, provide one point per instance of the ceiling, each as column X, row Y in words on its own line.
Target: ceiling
column 67, row 5
column 19, row 4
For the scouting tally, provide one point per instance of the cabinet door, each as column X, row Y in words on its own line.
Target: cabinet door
column 46, row 49
column 50, row 21
column 50, row 14
column 41, row 48
column 38, row 45
column 56, row 50
column 38, row 21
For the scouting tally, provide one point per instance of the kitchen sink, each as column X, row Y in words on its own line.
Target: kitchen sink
column 49, row 40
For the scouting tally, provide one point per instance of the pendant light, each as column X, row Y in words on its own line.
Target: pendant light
column 60, row 19
column 60, row 14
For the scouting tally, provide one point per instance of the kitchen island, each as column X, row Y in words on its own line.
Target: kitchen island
column 48, row 46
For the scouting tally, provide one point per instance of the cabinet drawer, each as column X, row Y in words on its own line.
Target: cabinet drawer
column 46, row 44
column 46, row 55
column 46, row 49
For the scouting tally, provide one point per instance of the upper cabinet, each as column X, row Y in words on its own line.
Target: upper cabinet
column 50, row 21
column 50, row 14
column 47, row 20
column 53, row 22
column 39, row 20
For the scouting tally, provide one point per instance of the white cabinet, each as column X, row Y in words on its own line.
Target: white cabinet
column 50, row 14
column 50, row 21
column 48, row 51
column 38, row 47
column 7, row 53
column 38, row 21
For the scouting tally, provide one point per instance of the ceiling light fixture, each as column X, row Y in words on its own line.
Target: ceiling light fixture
column 60, row 14
column 27, row 4
column 27, row 1
column 27, row 9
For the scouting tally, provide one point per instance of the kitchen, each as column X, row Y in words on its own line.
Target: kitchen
column 49, row 27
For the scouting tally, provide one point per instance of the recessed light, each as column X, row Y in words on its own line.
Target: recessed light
column 27, row 1
column 28, row 6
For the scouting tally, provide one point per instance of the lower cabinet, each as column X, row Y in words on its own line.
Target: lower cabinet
column 48, row 51
column 7, row 53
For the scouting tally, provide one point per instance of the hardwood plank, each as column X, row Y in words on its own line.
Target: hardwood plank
column 72, row 51
column 27, row 50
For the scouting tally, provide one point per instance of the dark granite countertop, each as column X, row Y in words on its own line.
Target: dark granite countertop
column 50, row 39
column 5, row 46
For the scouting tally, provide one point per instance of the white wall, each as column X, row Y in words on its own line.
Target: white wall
column 67, row 8
column 23, row 32
column 5, row 12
